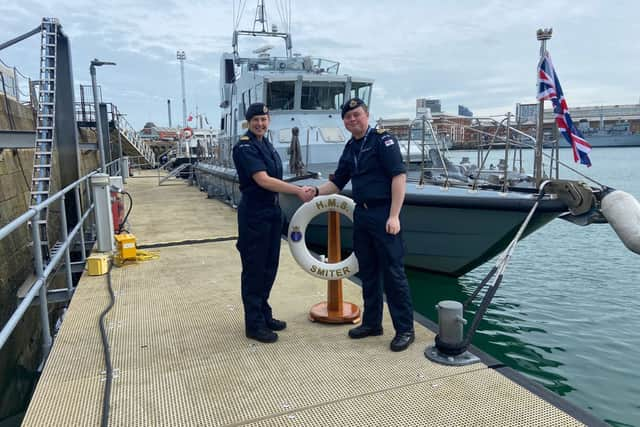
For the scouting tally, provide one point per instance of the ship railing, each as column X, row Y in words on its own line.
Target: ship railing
column 506, row 134
column 296, row 63
column 79, row 237
column 223, row 153
column 428, row 140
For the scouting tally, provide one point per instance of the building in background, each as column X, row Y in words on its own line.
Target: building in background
column 422, row 104
column 464, row 111
column 161, row 139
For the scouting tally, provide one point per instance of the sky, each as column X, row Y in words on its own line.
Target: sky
column 482, row 54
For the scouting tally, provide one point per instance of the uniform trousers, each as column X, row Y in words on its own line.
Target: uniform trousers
column 380, row 259
column 259, row 233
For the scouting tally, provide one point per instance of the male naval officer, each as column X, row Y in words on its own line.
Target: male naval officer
column 372, row 161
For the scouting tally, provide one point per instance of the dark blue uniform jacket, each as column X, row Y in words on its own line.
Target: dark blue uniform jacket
column 251, row 156
column 370, row 163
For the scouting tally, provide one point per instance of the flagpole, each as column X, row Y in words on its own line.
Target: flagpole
column 543, row 35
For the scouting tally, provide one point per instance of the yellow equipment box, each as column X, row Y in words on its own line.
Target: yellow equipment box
column 98, row 264
column 126, row 246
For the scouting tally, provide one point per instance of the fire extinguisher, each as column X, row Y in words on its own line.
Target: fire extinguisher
column 117, row 210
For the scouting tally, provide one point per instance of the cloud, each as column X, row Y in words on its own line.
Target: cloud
column 480, row 54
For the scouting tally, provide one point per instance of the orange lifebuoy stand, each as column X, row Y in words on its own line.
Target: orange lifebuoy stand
column 334, row 310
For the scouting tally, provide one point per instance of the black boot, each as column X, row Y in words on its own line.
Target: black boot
column 263, row 335
column 276, row 325
column 363, row 331
column 402, row 340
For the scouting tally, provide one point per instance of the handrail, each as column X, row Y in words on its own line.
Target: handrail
column 44, row 271
column 85, row 111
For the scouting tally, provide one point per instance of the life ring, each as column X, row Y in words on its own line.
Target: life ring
column 298, row 247
column 187, row 133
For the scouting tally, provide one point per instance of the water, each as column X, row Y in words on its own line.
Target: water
column 567, row 314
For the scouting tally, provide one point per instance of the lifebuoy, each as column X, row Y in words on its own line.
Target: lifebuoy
column 298, row 247
column 187, row 133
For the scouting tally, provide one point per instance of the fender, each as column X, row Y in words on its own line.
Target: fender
column 297, row 245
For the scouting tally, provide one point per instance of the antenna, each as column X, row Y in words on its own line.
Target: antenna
column 263, row 49
column 261, row 16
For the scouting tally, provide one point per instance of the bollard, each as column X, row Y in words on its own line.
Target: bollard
column 124, row 168
column 449, row 348
column 450, row 323
column 100, row 186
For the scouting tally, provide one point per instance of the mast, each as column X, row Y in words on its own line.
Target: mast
column 181, row 56
column 261, row 18
column 543, row 35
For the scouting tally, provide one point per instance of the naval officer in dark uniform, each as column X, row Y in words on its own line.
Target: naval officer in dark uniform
column 260, row 222
column 372, row 161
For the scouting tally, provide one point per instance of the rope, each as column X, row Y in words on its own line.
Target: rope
column 142, row 255
column 493, row 279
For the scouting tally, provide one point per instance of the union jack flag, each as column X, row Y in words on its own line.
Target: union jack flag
column 549, row 88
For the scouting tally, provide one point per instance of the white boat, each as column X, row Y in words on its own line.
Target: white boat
column 450, row 224
column 194, row 145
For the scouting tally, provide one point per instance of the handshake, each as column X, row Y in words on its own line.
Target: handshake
column 306, row 193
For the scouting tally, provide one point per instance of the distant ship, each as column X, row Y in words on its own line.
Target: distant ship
column 617, row 135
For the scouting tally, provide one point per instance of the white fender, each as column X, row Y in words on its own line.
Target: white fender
column 298, row 247
column 622, row 211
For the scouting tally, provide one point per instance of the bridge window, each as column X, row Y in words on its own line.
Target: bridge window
column 322, row 95
column 280, row 95
column 361, row 90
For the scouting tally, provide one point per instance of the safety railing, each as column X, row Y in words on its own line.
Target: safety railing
column 44, row 268
column 134, row 139
column 14, row 84
column 85, row 113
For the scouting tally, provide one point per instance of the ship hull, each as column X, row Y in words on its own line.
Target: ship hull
column 631, row 140
column 448, row 231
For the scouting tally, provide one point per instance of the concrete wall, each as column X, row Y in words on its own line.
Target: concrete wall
column 21, row 355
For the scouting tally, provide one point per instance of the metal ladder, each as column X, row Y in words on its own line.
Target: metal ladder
column 174, row 172
column 45, row 126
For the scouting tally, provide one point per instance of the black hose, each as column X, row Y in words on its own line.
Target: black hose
column 107, row 355
column 124, row 221
column 187, row 242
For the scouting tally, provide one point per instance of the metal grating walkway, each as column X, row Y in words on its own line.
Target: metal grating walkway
column 178, row 345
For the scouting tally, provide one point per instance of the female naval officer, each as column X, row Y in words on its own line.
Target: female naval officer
column 260, row 222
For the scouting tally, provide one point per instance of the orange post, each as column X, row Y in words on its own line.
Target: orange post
column 334, row 310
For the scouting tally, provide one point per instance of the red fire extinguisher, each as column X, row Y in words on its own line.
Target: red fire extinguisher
column 117, row 210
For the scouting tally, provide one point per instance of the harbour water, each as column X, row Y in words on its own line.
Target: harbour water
column 567, row 313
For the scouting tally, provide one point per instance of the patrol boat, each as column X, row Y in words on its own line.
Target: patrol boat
column 450, row 226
